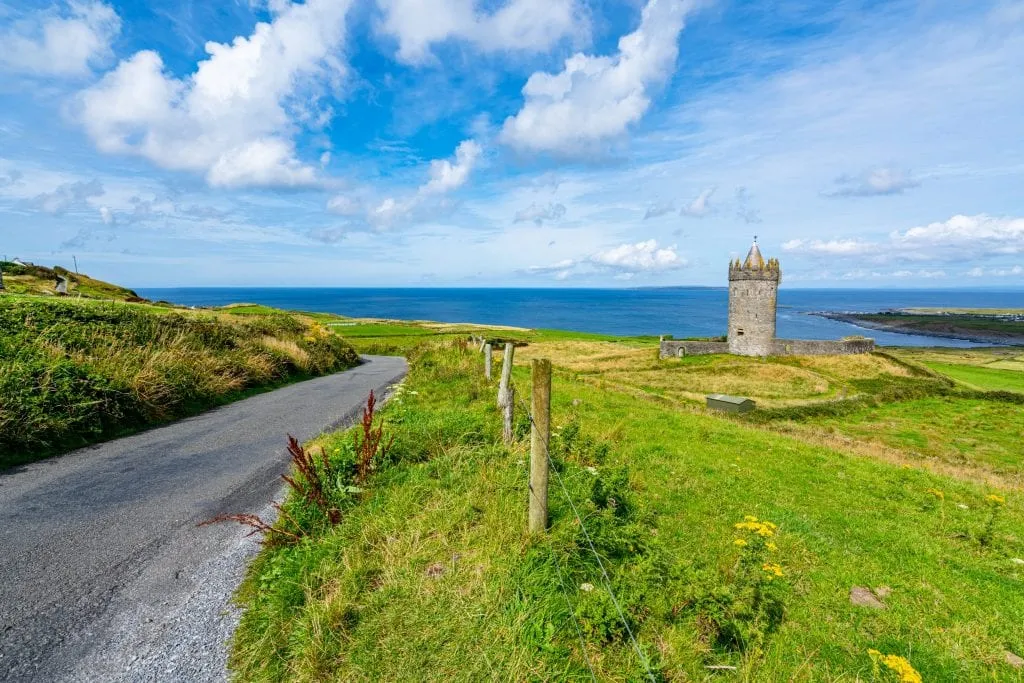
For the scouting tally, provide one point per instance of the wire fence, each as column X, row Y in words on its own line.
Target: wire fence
column 590, row 543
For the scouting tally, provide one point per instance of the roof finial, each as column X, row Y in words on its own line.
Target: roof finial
column 755, row 239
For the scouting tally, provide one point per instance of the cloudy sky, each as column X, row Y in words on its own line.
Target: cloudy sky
column 514, row 142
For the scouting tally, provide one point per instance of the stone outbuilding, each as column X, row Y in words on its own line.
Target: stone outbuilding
column 753, row 300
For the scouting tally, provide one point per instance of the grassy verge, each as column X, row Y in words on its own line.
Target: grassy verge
column 74, row 372
column 429, row 573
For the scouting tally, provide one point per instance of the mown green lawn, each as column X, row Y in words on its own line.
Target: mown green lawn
column 987, row 379
column 431, row 575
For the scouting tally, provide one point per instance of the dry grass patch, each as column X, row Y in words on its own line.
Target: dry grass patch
column 289, row 348
column 761, row 380
column 859, row 366
column 589, row 356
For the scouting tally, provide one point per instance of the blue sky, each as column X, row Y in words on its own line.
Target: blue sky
column 514, row 142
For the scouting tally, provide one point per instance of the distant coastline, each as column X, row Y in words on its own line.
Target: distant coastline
column 1003, row 328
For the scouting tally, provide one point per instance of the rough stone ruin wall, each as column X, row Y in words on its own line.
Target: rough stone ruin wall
column 752, row 301
column 780, row 347
column 811, row 347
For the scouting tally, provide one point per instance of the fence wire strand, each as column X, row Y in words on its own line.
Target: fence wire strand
column 593, row 549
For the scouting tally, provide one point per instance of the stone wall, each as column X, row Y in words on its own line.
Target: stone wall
column 677, row 349
column 812, row 347
column 752, row 302
column 779, row 347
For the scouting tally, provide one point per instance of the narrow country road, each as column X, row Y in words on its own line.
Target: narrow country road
column 104, row 574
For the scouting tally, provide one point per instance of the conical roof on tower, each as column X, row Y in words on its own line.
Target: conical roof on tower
column 754, row 260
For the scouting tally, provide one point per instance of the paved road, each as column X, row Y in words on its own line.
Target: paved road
column 103, row 572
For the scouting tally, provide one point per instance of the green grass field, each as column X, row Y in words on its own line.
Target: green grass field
column 431, row 571
column 983, row 378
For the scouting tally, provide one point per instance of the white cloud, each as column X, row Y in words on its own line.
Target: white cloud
column 700, row 206
column 538, row 213
column 263, row 162
column 835, row 247
column 959, row 239
column 874, row 182
column 528, row 25
column 446, row 176
column 345, row 206
column 595, row 98
column 106, row 215
column 565, row 265
column 235, row 117
column 660, row 209
column 644, row 256
column 67, row 196
column 624, row 260
column 964, row 237
column 65, row 41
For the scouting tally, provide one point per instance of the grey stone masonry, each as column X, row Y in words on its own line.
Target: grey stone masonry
column 678, row 349
column 813, row 347
column 753, row 293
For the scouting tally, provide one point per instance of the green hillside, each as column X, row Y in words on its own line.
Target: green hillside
column 40, row 280
column 75, row 371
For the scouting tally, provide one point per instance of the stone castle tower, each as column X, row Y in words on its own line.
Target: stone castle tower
column 753, row 291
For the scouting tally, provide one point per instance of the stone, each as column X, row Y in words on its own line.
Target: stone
column 1016, row 560
column 435, row 570
column 861, row 596
column 1013, row 660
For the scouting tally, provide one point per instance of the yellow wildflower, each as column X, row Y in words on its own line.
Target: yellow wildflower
column 772, row 568
column 899, row 665
column 764, row 529
column 740, row 542
column 771, row 546
column 993, row 498
column 937, row 493
column 750, row 518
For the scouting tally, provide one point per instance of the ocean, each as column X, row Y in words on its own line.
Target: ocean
column 681, row 312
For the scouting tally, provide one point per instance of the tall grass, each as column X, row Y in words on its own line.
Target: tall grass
column 75, row 372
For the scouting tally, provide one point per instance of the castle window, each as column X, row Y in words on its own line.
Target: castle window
column 739, row 332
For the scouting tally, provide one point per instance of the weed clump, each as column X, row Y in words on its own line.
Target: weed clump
column 739, row 610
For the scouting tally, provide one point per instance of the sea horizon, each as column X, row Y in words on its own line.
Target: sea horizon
column 681, row 311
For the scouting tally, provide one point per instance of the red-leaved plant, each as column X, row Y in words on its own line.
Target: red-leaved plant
column 370, row 444
column 318, row 482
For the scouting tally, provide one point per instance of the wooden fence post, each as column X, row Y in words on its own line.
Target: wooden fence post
column 506, row 373
column 508, row 411
column 540, row 439
column 488, row 353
